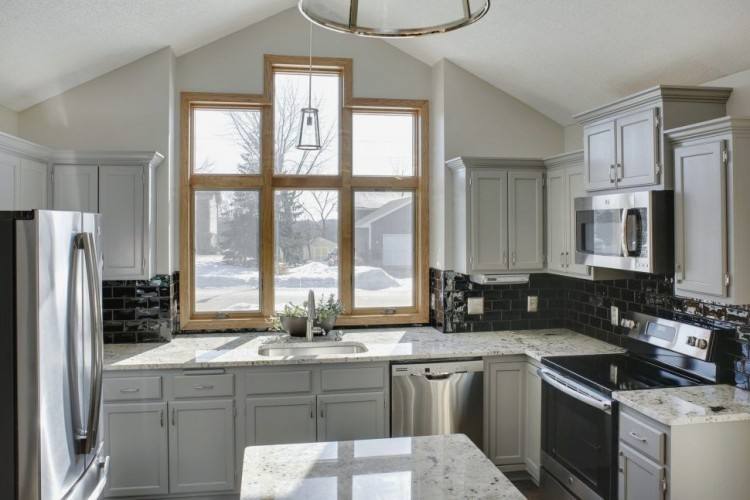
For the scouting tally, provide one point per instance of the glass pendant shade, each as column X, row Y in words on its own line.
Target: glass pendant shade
column 393, row 18
column 309, row 130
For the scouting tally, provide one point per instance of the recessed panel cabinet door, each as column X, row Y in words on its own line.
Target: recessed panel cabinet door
column 345, row 417
column 31, row 185
column 489, row 220
column 533, row 417
column 526, row 220
column 8, row 166
column 557, row 220
column 637, row 149
column 639, row 478
column 201, row 446
column 135, row 439
column 280, row 420
column 599, row 155
column 505, row 393
column 700, row 219
column 121, row 189
column 75, row 187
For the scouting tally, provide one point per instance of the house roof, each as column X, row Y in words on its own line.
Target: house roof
column 382, row 211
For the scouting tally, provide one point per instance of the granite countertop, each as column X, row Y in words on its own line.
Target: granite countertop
column 428, row 467
column 383, row 344
column 689, row 405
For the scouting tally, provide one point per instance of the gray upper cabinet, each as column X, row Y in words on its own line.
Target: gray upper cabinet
column 8, row 167
column 712, row 239
column 120, row 186
column 31, row 185
column 624, row 147
column 24, row 174
column 135, row 439
column 498, row 215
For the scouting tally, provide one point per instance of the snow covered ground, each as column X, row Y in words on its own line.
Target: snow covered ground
column 225, row 287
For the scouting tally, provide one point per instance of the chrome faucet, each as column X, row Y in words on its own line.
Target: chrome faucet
column 310, row 315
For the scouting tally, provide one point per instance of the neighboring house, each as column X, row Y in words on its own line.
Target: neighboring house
column 384, row 236
column 319, row 249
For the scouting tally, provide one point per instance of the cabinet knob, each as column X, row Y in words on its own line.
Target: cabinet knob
column 612, row 173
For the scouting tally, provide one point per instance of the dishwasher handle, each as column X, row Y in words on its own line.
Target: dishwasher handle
column 439, row 376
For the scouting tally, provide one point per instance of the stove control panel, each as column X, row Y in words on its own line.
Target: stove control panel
column 684, row 338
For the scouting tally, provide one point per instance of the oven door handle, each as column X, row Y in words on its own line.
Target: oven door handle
column 574, row 390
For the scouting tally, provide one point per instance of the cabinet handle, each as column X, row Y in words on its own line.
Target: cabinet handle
column 513, row 257
column 322, row 413
column 562, row 259
column 312, row 413
column 612, row 173
column 161, row 418
column 202, row 387
column 639, row 438
column 129, row 390
column 505, row 257
column 174, row 417
column 618, row 172
column 567, row 259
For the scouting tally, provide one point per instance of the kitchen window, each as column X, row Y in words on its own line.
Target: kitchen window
column 263, row 222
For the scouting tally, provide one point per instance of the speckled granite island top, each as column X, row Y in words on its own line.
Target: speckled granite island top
column 430, row 467
column 689, row 405
column 232, row 350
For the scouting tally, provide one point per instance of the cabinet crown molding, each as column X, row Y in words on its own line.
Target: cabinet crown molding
column 146, row 158
column 659, row 93
column 22, row 147
column 739, row 126
column 572, row 158
column 493, row 162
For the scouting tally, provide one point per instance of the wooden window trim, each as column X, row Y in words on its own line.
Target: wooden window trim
column 267, row 182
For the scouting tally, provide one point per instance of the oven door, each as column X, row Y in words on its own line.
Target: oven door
column 578, row 432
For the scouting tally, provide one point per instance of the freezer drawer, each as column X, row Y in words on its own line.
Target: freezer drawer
column 437, row 398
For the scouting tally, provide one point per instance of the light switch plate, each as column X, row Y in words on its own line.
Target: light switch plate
column 614, row 315
column 532, row 303
column 475, row 305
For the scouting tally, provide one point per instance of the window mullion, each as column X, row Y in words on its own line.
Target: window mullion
column 267, row 215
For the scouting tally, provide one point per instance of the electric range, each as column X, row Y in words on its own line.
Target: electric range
column 579, row 416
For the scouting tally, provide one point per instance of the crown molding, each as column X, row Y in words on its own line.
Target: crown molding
column 493, row 162
column 150, row 158
column 569, row 159
column 738, row 126
column 22, row 147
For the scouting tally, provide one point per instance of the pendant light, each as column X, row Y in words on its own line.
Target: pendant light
column 393, row 18
column 309, row 127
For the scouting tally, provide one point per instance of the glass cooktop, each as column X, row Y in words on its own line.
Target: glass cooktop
column 617, row 372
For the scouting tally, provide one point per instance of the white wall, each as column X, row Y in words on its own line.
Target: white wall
column 126, row 109
column 8, row 121
column 438, row 224
column 739, row 101
column 573, row 137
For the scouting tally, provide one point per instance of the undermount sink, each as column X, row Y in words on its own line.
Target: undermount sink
column 311, row 349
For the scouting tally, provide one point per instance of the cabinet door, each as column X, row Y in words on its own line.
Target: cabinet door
column 75, row 187
column 576, row 189
column 122, row 195
column 637, row 148
column 533, row 420
column 201, row 446
column 135, row 439
column 526, row 220
column 31, row 185
column 599, row 155
column 344, row 417
column 638, row 477
column 280, row 420
column 489, row 220
column 700, row 219
column 505, row 396
column 557, row 220
column 8, row 166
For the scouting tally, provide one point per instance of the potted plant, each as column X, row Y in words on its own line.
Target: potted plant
column 327, row 312
column 292, row 319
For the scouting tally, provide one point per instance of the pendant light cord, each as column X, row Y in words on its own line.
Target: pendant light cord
column 309, row 80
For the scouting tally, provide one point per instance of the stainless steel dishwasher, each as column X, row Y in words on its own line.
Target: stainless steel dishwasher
column 438, row 398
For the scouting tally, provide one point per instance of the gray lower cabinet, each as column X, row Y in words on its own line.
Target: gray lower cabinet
column 504, row 415
column 280, row 420
column 638, row 477
column 135, row 437
column 201, row 445
column 343, row 417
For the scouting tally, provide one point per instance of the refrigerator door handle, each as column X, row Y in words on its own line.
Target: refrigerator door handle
column 79, row 430
column 86, row 242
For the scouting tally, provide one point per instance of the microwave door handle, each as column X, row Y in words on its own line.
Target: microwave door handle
column 569, row 388
column 624, row 233
column 87, row 244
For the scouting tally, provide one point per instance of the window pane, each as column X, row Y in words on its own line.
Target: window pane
column 306, row 252
column 290, row 96
column 383, row 249
column 227, row 141
column 226, row 251
column 383, row 144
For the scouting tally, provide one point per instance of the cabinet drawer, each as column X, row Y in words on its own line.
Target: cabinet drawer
column 131, row 388
column 340, row 379
column 642, row 437
column 278, row 382
column 203, row 386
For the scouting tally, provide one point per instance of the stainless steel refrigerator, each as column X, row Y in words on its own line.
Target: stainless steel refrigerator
column 51, row 355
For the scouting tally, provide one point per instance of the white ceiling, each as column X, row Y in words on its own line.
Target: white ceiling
column 559, row 56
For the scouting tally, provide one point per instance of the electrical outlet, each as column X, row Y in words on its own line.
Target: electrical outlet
column 532, row 303
column 614, row 315
column 475, row 305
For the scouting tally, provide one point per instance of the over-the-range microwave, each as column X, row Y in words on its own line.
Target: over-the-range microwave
column 629, row 231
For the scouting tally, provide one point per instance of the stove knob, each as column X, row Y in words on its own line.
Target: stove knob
column 691, row 340
column 701, row 344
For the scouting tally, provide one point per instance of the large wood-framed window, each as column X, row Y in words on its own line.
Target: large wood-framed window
column 261, row 222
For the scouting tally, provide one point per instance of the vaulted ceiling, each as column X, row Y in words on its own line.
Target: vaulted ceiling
column 558, row 56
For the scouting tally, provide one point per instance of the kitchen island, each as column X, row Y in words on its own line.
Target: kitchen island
column 429, row 467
